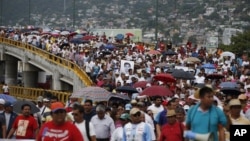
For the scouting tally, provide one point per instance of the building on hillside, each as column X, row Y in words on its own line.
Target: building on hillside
column 228, row 33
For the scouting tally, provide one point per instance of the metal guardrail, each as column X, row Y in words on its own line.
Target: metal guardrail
column 52, row 58
column 33, row 93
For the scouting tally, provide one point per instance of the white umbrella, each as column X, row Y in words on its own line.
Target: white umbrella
column 227, row 53
column 65, row 33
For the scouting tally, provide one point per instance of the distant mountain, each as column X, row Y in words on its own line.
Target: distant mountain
column 172, row 14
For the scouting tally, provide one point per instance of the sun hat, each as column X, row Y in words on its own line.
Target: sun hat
column 170, row 113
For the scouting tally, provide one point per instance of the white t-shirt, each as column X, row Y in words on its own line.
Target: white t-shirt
column 199, row 79
column 117, row 134
column 155, row 109
column 5, row 89
column 82, row 129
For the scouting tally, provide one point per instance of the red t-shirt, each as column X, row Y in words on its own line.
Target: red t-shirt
column 172, row 132
column 25, row 127
column 65, row 132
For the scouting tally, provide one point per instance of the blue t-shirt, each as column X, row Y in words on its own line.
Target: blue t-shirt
column 161, row 118
column 206, row 122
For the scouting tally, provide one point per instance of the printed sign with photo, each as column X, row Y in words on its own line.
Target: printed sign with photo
column 126, row 65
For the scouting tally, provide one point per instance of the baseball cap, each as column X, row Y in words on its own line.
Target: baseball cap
column 234, row 102
column 165, row 103
column 124, row 116
column 46, row 100
column 7, row 104
column 134, row 111
column 140, row 103
column 57, row 106
column 128, row 107
column 186, row 107
column 170, row 113
column 2, row 101
column 39, row 99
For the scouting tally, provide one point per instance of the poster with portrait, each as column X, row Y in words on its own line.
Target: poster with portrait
column 126, row 65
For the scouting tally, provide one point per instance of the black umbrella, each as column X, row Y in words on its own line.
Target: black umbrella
column 64, row 45
column 181, row 74
column 171, row 70
column 215, row 76
column 170, row 52
column 78, row 41
column 126, row 89
column 231, row 91
column 118, row 97
column 199, row 85
column 18, row 104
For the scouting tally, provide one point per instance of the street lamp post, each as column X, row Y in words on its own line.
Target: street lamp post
column 156, row 22
column 74, row 7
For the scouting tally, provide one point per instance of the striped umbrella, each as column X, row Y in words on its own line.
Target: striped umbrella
column 93, row 93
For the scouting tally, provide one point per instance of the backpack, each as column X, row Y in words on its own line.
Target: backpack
column 87, row 128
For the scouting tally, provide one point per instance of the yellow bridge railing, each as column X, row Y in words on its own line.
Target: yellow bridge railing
column 52, row 58
column 33, row 93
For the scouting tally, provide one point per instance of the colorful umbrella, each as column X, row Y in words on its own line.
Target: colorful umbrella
column 162, row 64
column 8, row 98
column 113, row 96
column 119, row 36
column 228, row 85
column 230, row 91
column 156, row 91
column 215, row 76
column 18, row 104
column 192, row 60
column 181, row 74
column 93, row 93
column 79, row 36
column 129, row 34
column 153, row 52
column 89, row 37
column 141, row 84
column 227, row 53
column 65, row 33
column 127, row 89
column 165, row 77
column 170, row 52
column 208, row 66
column 78, row 41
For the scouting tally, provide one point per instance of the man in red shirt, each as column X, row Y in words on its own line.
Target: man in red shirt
column 172, row 130
column 58, row 129
column 25, row 125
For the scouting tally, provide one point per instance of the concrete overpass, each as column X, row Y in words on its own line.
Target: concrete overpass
column 35, row 63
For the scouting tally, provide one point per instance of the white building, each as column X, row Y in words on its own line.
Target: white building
column 228, row 33
column 209, row 11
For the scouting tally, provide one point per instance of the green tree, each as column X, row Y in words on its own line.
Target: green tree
column 192, row 39
column 239, row 43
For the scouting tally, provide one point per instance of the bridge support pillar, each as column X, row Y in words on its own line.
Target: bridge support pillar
column 30, row 78
column 11, row 72
column 2, row 71
column 30, row 74
column 56, row 82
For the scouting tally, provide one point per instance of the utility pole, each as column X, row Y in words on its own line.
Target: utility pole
column 156, row 22
column 1, row 6
column 64, row 6
column 74, row 7
column 29, row 12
